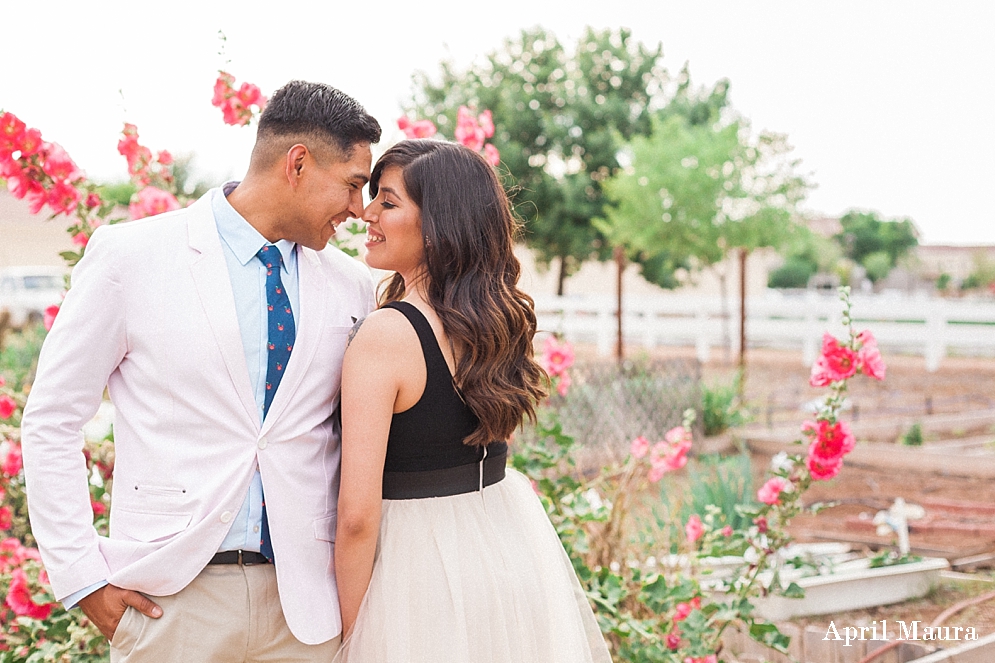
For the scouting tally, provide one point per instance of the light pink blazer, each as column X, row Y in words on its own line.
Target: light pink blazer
column 151, row 315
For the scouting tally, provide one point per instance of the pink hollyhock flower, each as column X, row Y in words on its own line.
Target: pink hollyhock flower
column 63, row 197
column 673, row 640
column 677, row 434
column 80, row 239
column 12, row 463
column 7, row 406
column 422, row 129
column 19, row 598
column 832, row 441
column 486, row 122
column 711, row 658
column 823, row 469
column 694, row 529
column 770, row 492
column 151, row 201
column 93, row 200
column 164, row 157
column 563, row 384
column 11, row 130
column 467, row 131
column 6, row 517
column 836, row 363
column 492, row 155
column 682, row 612
column 36, row 200
column 761, row 524
column 656, row 473
column 222, row 88
column 99, row 508
column 556, row 357
column 869, row 361
column 403, row 122
column 726, row 531
column 30, row 143
column 250, row 95
column 57, row 164
column 50, row 314
column 639, row 447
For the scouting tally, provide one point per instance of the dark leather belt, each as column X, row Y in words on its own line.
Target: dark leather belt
column 446, row 482
column 240, row 557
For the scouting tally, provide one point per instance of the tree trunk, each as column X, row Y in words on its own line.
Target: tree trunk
column 743, row 253
column 724, row 305
column 620, row 264
column 561, row 281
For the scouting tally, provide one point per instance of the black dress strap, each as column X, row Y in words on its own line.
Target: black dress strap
column 435, row 362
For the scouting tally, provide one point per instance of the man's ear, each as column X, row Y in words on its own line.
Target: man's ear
column 296, row 156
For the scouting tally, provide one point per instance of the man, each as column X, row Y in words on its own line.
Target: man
column 219, row 331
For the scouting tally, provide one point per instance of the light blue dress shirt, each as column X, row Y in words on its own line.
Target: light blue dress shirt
column 240, row 243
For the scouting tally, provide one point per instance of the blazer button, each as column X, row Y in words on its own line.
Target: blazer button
column 226, row 517
column 263, row 442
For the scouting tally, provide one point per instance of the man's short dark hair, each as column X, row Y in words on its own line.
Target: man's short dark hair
column 301, row 110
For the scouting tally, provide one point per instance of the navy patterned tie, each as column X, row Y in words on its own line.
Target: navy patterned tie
column 280, row 343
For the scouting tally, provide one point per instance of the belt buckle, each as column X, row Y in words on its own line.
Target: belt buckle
column 239, row 560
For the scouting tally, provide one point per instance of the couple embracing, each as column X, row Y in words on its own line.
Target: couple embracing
column 305, row 471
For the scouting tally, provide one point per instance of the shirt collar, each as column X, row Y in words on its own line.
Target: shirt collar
column 244, row 240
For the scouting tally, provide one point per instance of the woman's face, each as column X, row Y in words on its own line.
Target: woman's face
column 393, row 234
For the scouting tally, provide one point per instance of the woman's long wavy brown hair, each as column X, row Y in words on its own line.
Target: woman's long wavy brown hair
column 472, row 280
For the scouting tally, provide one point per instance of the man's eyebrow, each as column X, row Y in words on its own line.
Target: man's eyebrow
column 360, row 177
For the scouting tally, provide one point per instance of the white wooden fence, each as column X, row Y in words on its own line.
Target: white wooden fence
column 925, row 326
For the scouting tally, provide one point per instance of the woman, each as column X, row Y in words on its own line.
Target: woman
column 439, row 555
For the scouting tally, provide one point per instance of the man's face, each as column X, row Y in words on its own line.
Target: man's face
column 329, row 194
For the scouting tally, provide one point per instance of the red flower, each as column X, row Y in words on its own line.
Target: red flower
column 93, row 200
column 11, row 131
column 770, row 492
column 694, row 529
column 468, row 132
column 7, row 406
column 12, row 462
column 222, row 88
column 486, row 122
column 50, row 314
column 869, row 360
column 31, row 142
column 832, row 441
column 726, row 531
column 6, row 517
column 152, row 201
column 823, row 469
column 57, row 164
column 99, row 508
column 761, row 524
column 491, row 154
column 836, row 363
column 19, row 598
column 164, row 157
column 639, row 447
column 63, row 197
column 556, row 357
column 673, row 640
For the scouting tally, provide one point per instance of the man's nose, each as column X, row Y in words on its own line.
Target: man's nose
column 369, row 215
column 356, row 204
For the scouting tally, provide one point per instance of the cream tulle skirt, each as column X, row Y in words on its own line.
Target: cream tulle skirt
column 473, row 578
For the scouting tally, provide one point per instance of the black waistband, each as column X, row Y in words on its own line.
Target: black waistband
column 446, row 482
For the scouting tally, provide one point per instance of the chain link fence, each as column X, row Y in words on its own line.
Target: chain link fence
column 609, row 404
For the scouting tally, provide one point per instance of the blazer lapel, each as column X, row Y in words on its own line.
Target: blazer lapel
column 312, row 302
column 213, row 283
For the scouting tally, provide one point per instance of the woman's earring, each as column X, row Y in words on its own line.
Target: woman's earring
column 428, row 242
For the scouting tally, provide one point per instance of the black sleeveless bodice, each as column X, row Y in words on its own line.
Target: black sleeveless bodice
column 429, row 435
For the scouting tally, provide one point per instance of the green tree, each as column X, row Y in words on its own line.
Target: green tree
column 561, row 118
column 875, row 243
column 701, row 186
column 805, row 254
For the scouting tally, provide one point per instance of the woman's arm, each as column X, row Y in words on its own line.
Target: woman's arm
column 375, row 370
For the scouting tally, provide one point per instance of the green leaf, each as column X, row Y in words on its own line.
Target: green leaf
column 769, row 635
column 794, row 591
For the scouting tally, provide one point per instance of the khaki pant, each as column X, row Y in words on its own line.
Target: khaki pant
column 228, row 614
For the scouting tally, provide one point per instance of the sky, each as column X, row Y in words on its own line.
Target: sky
column 888, row 103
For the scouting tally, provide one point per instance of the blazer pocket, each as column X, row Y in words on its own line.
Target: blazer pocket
column 324, row 528
column 148, row 527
